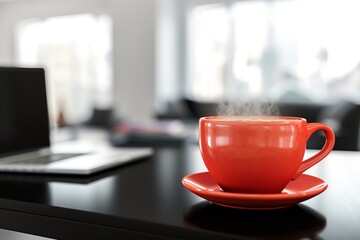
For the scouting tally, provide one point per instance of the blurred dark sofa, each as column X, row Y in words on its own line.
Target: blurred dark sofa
column 343, row 116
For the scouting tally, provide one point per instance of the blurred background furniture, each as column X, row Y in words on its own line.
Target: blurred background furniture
column 343, row 117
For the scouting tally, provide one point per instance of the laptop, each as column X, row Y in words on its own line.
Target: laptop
column 25, row 132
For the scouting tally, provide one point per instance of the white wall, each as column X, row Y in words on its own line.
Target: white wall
column 134, row 44
column 134, row 57
column 170, row 46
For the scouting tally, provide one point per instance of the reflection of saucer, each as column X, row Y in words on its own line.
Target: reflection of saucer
column 296, row 222
column 301, row 189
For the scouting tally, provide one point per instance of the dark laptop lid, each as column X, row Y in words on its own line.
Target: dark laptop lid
column 24, row 119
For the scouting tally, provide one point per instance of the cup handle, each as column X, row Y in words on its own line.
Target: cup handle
column 329, row 144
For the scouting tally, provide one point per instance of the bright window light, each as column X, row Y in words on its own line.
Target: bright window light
column 282, row 50
column 76, row 52
column 210, row 32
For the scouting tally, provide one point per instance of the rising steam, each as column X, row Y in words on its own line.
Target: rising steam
column 258, row 107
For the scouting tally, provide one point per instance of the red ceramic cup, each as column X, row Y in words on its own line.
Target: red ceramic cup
column 258, row 154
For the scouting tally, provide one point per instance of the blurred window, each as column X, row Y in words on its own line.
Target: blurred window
column 76, row 53
column 283, row 50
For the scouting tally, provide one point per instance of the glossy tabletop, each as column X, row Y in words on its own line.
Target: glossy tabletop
column 148, row 197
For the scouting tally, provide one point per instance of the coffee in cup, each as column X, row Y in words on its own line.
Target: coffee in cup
column 258, row 154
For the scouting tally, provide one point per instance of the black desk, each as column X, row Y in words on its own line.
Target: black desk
column 146, row 200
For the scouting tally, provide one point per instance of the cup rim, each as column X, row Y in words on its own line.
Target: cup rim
column 253, row 118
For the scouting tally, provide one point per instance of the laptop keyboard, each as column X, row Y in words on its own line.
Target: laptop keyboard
column 47, row 158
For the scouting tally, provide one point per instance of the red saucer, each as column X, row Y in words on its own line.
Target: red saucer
column 301, row 189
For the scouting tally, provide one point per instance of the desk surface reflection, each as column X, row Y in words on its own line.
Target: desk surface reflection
column 147, row 200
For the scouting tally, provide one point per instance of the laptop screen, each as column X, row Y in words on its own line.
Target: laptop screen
column 24, row 119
